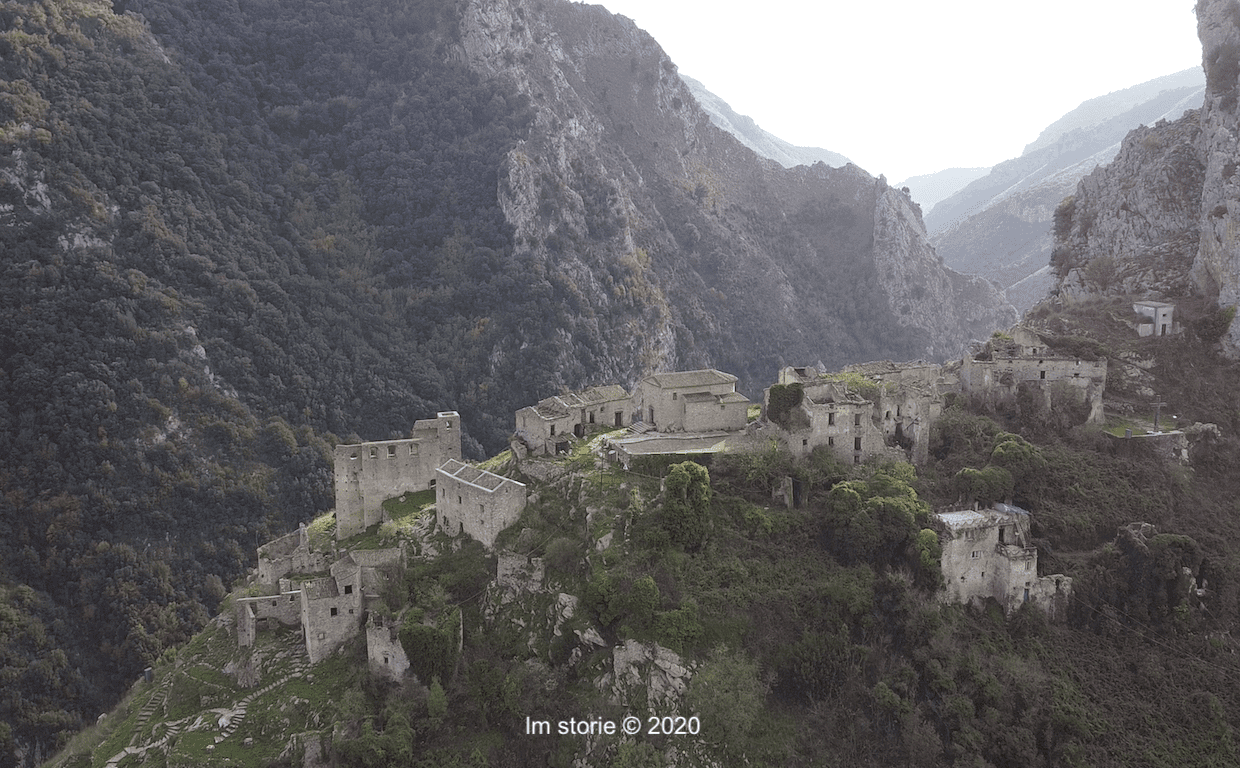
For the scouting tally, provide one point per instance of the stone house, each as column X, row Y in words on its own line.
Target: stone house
column 1160, row 318
column 1005, row 368
column 691, row 401
column 875, row 409
column 366, row 474
column 385, row 655
column 476, row 502
column 987, row 553
column 548, row 427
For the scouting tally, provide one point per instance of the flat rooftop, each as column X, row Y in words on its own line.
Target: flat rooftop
column 661, row 444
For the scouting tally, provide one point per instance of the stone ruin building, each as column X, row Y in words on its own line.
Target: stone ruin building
column 325, row 594
column 366, row 474
column 1020, row 362
column 329, row 594
column 888, row 415
column 473, row 501
column 549, row 427
column 987, row 553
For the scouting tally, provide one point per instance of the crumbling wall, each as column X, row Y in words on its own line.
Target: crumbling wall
column 366, row 474
column 385, row 655
column 330, row 615
column 478, row 503
column 289, row 554
column 256, row 613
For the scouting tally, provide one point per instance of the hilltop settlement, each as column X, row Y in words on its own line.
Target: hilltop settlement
column 871, row 411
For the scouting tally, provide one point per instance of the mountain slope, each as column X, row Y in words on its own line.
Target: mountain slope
column 232, row 233
column 753, row 136
column 931, row 188
column 999, row 226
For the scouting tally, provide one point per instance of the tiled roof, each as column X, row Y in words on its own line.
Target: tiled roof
column 680, row 379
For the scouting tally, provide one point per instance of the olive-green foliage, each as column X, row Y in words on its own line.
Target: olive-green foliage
column 686, row 513
column 873, row 520
column 929, row 557
column 1211, row 327
column 727, row 693
column 782, row 399
column 431, row 650
column 985, row 486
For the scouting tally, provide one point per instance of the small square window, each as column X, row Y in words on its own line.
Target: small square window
column 348, row 589
column 977, row 553
column 391, row 451
column 374, row 453
column 804, row 442
column 335, row 611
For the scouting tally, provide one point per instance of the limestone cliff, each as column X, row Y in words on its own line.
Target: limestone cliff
column 1216, row 269
column 917, row 284
column 1161, row 219
column 999, row 226
column 685, row 247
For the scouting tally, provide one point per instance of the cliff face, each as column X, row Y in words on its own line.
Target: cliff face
column 1216, row 270
column 999, row 226
column 710, row 254
column 1161, row 219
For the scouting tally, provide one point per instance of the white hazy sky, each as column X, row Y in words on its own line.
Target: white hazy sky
column 907, row 87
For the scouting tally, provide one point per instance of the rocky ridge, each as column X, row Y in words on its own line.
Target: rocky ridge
column 1159, row 220
column 711, row 248
column 999, row 226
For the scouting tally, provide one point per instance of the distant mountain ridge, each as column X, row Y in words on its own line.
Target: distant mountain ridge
column 753, row 136
column 998, row 226
column 931, row 188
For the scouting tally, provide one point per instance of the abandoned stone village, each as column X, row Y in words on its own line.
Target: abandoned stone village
column 882, row 410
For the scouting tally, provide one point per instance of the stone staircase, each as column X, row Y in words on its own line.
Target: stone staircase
column 230, row 722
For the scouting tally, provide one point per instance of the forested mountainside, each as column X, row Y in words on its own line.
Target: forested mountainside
column 233, row 234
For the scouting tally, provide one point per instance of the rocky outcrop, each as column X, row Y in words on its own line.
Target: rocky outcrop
column 753, row 136
column 1132, row 227
column 999, row 226
column 918, row 286
column 1216, row 270
column 676, row 245
column 1161, row 219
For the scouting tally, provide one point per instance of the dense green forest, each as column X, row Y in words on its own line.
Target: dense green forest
column 199, row 292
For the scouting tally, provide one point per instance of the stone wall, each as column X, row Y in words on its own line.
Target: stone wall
column 366, row 474
column 476, row 502
column 997, row 381
column 385, row 655
column 330, row 615
column 289, row 554
column 715, row 413
column 257, row 613
column 660, row 398
column 988, row 554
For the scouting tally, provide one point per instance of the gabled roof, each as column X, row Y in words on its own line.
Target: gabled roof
column 680, row 379
column 559, row 406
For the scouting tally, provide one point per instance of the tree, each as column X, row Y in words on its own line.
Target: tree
column 686, row 505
